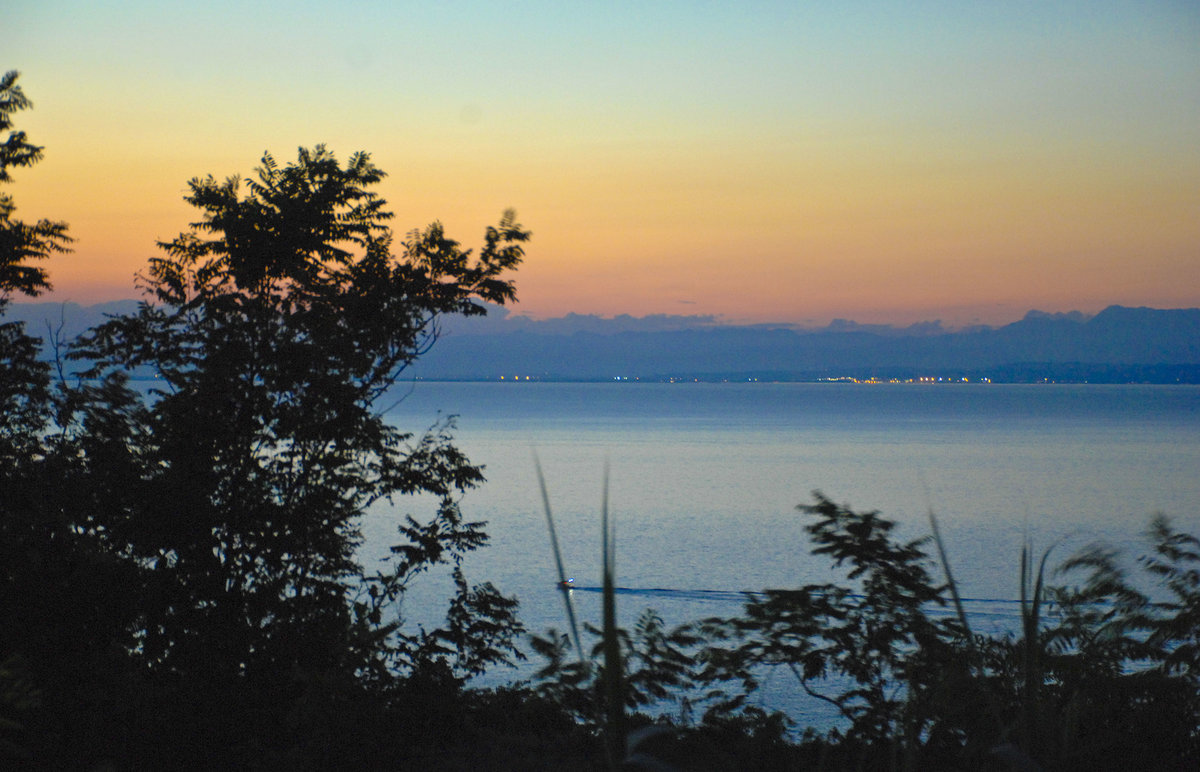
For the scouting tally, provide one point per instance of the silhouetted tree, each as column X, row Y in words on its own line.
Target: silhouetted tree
column 23, row 379
column 29, row 569
column 235, row 488
column 20, row 242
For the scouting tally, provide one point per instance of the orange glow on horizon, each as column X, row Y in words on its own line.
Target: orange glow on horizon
column 766, row 166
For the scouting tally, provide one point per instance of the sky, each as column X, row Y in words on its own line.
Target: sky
column 796, row 162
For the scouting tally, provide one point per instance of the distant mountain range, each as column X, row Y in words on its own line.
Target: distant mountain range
column 1118, row 345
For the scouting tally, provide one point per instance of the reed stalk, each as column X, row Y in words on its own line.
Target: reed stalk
column 558, row 561
column 1030, row 621
column 614, row 692
column 612, row 682
column 1031, row 647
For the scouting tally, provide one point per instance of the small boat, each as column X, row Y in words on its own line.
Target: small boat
column 566, row 584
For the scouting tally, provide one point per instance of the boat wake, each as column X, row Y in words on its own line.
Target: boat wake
column 992, row 613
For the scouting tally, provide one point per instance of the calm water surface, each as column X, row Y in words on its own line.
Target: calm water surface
column 705, row 479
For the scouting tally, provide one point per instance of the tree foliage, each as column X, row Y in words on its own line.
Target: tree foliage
column 200, row 536
column 21, row 242
column 39, row 555
column 23, row 378
column 273, row 327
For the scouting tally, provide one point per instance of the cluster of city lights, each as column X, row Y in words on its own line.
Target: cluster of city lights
column 921, row 379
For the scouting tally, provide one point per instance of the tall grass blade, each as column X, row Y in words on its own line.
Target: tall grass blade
column 1037, row 589
column 973, row 652
column 562, row 574
column 614, row 694
column 954, row 594
column 1031, row 645
column 1031, row 607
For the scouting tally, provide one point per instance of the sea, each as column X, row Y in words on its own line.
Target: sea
column 703, row 481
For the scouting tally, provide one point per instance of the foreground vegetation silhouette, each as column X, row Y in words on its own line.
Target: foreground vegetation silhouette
column 182, row 587
column 1101, row 672
column 181, row 583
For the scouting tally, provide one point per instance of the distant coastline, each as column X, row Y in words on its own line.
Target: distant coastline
column 1032, row 374
column 1117, row 345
